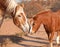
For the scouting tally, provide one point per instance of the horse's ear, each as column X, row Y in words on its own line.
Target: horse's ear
column 22, row 5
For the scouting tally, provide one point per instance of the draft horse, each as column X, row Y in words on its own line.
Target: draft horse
column 12, row 8
column 51, row 22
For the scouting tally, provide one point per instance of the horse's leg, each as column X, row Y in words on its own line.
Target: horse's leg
column 50, row 37
column 57, row 39
column 1, row 20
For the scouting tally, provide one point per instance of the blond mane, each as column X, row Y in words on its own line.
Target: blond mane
column 11, row 6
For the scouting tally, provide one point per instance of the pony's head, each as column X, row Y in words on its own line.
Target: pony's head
column 35, row 23
column 20, row 18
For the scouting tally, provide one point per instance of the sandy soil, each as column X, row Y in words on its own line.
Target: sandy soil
column 7, row 38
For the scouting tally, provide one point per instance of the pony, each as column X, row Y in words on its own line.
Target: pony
column 51, row 23
column 16, row 10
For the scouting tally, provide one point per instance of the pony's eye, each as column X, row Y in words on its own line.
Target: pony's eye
column 19, row 16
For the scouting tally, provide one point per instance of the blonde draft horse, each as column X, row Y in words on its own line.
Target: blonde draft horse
column 16, row 11
column 51, row 22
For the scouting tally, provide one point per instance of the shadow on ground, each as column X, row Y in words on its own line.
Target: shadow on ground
column 18, row 40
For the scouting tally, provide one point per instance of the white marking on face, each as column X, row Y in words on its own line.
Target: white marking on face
column 25, row 27
column 27, row 24
column 57, row 40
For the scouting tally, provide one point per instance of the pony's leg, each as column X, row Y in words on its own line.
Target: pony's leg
column 50, row 37
column 57, row 39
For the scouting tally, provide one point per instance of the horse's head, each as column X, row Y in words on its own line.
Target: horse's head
column 20, row 19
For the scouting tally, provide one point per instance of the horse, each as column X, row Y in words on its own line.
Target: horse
column 51, row 23
column 16, row 11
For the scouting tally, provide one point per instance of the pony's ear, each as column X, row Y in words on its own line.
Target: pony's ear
column 22, row 5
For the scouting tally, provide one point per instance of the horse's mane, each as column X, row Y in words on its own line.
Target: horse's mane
column 11, row 6
column 8, row 5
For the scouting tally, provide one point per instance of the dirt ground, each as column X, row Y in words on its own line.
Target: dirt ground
column 7, row 38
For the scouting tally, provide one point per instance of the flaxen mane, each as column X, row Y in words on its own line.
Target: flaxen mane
column 9, row 5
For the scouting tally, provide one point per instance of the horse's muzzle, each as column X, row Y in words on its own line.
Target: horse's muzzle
column 25, row 28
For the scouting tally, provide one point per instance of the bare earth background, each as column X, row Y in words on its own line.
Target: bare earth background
column 7, row 38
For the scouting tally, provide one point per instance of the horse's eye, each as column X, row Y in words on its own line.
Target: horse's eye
column 19, row 16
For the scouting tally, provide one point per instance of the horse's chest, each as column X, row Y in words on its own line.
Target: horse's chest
column 55, row 22
column 52, row 23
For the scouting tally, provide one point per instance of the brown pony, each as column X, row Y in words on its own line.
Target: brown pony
column 16, row 11
column 51, row 22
